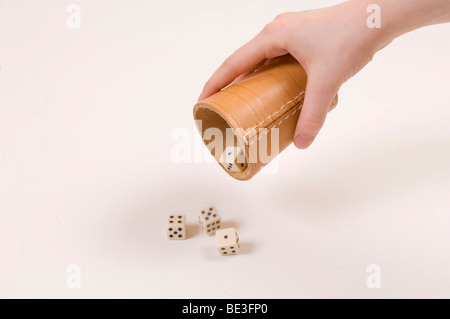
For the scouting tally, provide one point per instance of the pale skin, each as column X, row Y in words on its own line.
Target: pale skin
column 332, row 44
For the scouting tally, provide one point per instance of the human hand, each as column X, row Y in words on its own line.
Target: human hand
column 332, row 44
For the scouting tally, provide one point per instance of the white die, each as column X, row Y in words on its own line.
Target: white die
column 227, row 241
column 176, row 227
column 233, row 159
column 209, row 219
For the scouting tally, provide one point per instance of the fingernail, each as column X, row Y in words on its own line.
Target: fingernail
column 303, row 141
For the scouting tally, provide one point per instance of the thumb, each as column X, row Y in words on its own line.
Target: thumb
column 319, row 95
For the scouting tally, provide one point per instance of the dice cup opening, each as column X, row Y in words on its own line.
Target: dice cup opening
column 206, row 118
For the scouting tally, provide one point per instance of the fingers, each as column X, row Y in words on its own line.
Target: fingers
column 257, row 67
column 319, row 94
column 264, row 46
column 244, row 75
column 241, row 61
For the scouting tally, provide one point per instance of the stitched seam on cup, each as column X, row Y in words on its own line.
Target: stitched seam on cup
column 285, row 117
column 273, row 114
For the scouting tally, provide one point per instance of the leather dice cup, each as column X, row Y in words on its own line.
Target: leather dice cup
column 255, row 117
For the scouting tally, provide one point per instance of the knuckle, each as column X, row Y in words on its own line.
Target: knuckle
column 282, row 15
column 278, row 24
column 267, row 29
column 312, row 121
column 275, row 27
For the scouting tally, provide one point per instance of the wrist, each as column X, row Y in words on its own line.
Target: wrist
column 372, row 38
column 402, row 16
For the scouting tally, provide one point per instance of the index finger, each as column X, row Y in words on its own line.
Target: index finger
column 243, row 60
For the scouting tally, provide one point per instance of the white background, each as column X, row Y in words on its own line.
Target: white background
column 87, row 177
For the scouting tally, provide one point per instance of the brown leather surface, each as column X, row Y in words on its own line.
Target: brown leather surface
column 271, row 97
